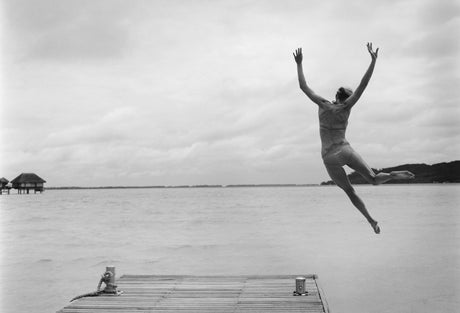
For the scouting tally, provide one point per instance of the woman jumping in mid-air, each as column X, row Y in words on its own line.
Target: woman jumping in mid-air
column 335, row 150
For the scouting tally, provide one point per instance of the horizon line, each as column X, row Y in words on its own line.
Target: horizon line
column 182, row 186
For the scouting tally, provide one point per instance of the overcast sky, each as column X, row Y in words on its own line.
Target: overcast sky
column 106, row 92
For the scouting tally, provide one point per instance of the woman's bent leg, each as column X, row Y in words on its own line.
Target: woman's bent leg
column 357, row 163
column 338, row 175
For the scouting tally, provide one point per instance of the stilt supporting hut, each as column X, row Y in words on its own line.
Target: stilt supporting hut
column 28, row 181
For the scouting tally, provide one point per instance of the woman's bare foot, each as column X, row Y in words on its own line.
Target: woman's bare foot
column 375, row 227
column 402, row 175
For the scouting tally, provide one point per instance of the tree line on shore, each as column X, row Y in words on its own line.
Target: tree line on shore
column 446, row 172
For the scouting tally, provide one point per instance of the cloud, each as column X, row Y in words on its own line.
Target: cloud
column 112, row 127
column 76, row 30
column 439, row 12
column 435, row 43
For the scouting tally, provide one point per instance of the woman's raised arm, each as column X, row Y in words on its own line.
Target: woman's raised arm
column 365, row 80
column 298, row 57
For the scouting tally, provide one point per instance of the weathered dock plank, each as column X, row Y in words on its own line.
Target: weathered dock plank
column 202, row 294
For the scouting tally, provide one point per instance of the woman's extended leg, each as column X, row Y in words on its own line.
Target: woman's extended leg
column 357, row 163
column 338, row 175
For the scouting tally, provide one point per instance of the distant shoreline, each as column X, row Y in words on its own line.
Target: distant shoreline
column 226, row 186
column 184, row 186
column 439, row 173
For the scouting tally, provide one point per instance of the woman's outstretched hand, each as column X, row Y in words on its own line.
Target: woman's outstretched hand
column 298, row 56
column 373, row 54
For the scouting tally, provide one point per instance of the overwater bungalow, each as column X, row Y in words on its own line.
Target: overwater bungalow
column 4, row 185
column 4, row 182
column 28, row 181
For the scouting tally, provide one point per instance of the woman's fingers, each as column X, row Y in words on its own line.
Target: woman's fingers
column 297, row 52
column 369, row 48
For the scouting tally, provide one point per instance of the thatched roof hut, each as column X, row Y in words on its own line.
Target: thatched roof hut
column 4, row 182
column 27, row 181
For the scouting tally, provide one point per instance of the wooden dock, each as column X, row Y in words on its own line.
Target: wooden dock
column 198, row 294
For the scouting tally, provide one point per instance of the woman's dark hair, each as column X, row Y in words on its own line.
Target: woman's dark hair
column 343, row 93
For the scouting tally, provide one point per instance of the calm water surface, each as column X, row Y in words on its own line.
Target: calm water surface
column 56, row 245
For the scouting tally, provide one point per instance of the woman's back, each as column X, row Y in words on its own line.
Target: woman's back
column 333, row 122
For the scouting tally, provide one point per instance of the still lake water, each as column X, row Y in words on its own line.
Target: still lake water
column 55, row 245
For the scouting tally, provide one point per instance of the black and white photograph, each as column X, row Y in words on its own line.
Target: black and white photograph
column 221, row 156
